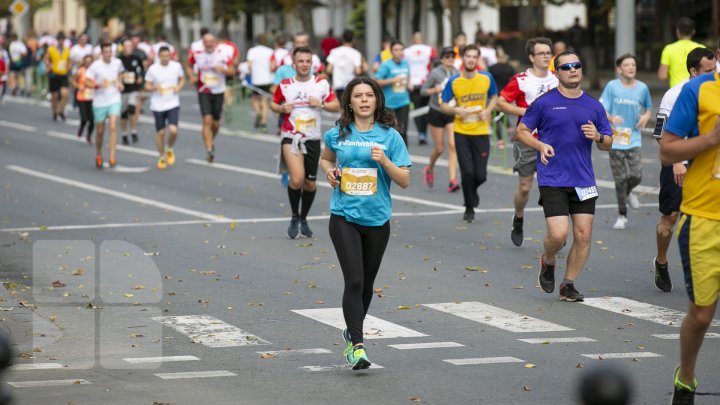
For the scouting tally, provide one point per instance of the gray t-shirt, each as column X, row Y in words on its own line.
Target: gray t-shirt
column 440, row 76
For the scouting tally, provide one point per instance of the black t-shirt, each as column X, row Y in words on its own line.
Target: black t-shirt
column 502, row 73
column 134, row 65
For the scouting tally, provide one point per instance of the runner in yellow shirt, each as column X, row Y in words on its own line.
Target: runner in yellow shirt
column 58, row 60
column 674, row 56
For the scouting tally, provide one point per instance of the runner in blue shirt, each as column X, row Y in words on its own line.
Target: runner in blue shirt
column 568, row 121
column 628, row 105
column 364, row 154
column 394, row 78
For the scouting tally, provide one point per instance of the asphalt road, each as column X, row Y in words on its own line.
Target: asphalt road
column 108, row 270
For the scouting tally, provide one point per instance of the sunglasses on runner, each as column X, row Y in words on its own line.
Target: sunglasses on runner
column 567, row 66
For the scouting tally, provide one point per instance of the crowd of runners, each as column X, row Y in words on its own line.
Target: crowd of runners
column 462, row 85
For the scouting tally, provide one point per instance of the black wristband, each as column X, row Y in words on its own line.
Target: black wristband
column 602, row 139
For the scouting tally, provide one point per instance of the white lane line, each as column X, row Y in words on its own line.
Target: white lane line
column 47, row 383
column 195, row 374
column 335, row 367
column 608, row 356
column 676, row 336
column 640, row 310
column 15, row 125
column 290, row 352
column 165, row 359
column 547, row 341
column 74, row 138
column 375, row 328
column 429, row 345
column 118, row 194
column 500, row 318
column 483, row 360
column 210, row 331
column 36, row 366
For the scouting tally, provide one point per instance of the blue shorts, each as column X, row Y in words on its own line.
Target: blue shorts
column 102, row 113
column 171, row 116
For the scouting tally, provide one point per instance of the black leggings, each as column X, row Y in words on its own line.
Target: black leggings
column 420, row 101
column 402, row 115
column 473, row 153
column 86, row 116
column 359, row 250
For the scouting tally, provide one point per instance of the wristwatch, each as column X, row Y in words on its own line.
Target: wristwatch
column 602, row 139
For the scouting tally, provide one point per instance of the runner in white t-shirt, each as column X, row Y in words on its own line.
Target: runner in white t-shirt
column 261, row 76
column 344, row 64
column 279, row 53
column 79, row 51
column 301, row 99
column 162, row 42
column 302, row 39
column 208, row 70
column 419, row 57
column 165, row 79
column 104, row 76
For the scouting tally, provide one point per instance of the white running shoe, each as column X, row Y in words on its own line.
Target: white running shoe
column 633, row 201
column 621, row 222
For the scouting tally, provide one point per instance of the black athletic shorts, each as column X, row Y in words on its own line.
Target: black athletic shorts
column 562, row 201
column 211, row 104
column 312, row 158
column 263, row 87
column 170, row 117
column 670, row 195
column 438, row 119
column 57, row 82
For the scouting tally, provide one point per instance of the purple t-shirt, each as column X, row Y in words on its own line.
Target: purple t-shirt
column 558, row 120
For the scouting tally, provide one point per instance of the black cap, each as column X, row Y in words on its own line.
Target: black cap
column 448, row 50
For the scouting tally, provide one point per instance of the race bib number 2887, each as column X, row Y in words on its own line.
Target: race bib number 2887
column 358, row 181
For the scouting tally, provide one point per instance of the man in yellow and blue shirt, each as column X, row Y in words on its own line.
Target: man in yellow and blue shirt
column 693, row 133
column 475, row 96
column 57, row 60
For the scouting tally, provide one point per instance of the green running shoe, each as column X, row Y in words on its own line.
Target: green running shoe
column 357, row 357
column 348, row 340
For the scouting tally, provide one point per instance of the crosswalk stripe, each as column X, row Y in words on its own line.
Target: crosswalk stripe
column 335, row 367
column 676, row 336
column 210, row 331
column 289, row 352
column 635, row 355
column 165, row 359
column 428, row 345
column 47, row 383
column 36, row 366
column 375, row 328
column 483, row 360
column 195, row 374
column 640, row 310
column 497, row 317
column 547, row 341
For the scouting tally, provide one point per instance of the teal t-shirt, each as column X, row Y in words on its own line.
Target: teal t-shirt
column 282, row 73
column 357, row 204
column 396, row 95
column 629, row 103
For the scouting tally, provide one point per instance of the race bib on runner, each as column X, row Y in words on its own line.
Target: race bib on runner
column 473, row 115
column 109, row 83
column 62, row 65
column 401, row 86
column 167, row 89
column 129, row 78
column 358, row 181
column 622, row 135
column 88, row 93
column 305, row 122
column 586, row 193
column 210, row 79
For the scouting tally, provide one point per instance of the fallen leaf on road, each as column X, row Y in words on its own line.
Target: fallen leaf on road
column 78, row 272
column 136, row 335
column 377, row 290
column 526, row 388
column 267, row 356
column 58, row 284
column 319, row 302
column 518, row 287
column 529, row 365
column 207, row 273
column 403, row 307
column 579, row 365
column 415, row 399
column 481, row 270
column 138, row 287
column 128, row 295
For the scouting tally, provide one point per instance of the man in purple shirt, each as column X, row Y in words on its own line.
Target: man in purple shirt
column 567, row 121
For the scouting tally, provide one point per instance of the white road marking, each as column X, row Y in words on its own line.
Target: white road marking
column 429, row 345
column 118, row 194
column 640, row 310
column 36, row 366
column 676, row 336
column 336, row 367
column 210, row 331
column 165, row 359
column 15, row 125
column 638, row 189
column 74, row 138
column 497, row 317
column 545, row 341
column 289, row 352
column 608, row 356
column 48, row 383
column 375, row 328
column 483, row 360
column 195, row 374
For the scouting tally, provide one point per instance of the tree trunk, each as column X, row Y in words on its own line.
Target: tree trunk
column 175, row 29
column 416, row 16
column 304, row 12
column 439, row 24
column 398, row 10
column 455, row 14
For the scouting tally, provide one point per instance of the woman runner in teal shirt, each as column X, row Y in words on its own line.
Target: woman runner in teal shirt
column 363, row 155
